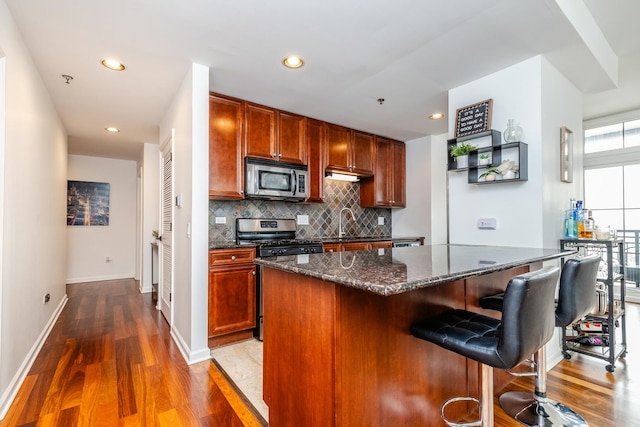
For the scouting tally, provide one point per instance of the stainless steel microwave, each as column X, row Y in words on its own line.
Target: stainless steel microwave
column 265, row 179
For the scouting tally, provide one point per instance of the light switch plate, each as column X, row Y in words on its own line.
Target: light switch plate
column 487, row 223
column 303, row 219
column 221, row 220
column 380, row 220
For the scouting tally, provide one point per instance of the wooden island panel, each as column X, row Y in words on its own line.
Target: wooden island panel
column 340, row 356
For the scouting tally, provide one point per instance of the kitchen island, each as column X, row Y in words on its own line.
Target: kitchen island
column 337, row 347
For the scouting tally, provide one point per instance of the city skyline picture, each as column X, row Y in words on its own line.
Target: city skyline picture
column 87, row 203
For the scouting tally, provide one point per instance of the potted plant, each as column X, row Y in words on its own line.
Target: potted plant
column 484, row 159
column 507, row 170
column 460, row 153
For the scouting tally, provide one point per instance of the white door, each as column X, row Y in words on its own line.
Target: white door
column 166, row 220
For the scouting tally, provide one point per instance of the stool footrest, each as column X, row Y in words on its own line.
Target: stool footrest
column 461, row 399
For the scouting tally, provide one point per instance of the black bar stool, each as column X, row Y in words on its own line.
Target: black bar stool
column 527, row 324
column 576, row 298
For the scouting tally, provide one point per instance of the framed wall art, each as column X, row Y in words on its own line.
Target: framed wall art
column 474, row 118
column 566, row 154
column 87, row 203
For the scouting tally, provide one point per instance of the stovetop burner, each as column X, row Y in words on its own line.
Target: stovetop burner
column 274, row 237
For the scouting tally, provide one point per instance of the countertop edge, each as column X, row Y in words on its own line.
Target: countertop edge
column 399, row 288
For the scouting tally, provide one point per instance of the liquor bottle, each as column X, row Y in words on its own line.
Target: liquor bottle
column 589, row 225
column 570, row 227
column 580, row 219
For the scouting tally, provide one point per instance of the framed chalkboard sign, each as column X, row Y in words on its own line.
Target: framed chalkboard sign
column 474, row 118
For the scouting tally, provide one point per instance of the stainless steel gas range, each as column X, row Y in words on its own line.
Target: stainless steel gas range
column 272, row 238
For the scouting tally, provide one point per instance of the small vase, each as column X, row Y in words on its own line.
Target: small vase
column 484, row 162
column 513, row 132
column 462, row 162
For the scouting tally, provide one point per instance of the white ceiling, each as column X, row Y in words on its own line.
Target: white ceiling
column 408, row 52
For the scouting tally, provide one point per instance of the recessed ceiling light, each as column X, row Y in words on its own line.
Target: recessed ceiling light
column 292, row 62
column 112, row 129
column 436, row 116
column 112, row 64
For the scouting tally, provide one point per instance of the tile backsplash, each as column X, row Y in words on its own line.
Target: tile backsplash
column 323, row 217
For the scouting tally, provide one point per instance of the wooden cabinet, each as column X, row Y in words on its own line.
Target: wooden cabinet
column 226, row 153
column 275, row 135
column 232, row 295
column 316, row 160
column 349, row 151
column 356, row 246
column 382, row 245
column 331, row 247
column 387, row 188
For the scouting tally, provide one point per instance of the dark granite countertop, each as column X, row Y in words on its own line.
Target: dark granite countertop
column 398, row 270
column 231, row 244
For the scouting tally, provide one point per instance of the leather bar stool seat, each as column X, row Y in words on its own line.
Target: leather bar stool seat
column 527, row 324
column 576, row 298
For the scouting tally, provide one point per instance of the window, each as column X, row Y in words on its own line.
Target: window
column 612, row 137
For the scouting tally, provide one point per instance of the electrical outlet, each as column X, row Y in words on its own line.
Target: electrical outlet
column 221, row 220
column 47, row 298
column 380, row 220
column 487, row 223
column 303, row 219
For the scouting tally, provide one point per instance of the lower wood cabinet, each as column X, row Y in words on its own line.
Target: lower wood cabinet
column 232, row 295
column 356, row 246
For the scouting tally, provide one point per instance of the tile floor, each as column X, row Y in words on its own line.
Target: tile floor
column 242, row 362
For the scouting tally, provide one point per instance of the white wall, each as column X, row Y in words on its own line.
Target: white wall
column 150, row 208
column 89, row 246
column 561, row 106
column 425, row 213
column 34, row 240
column 530, row 213
column 188, row 115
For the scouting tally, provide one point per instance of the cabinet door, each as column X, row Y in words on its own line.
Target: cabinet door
column 362, row 151
column 398, row 172
column 232, row 299
column 316, row 159
column 338, row 144
column 226, row 154
column 260, row 132
column 331, row 247
column 382, row 244
column 356, row 246
column 291, row 145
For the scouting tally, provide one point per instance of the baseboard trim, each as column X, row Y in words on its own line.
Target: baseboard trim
column 189, row 356
column 14, row 386
column 99, row 278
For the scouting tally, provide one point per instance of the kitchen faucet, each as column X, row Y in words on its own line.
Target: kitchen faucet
column 353, row 217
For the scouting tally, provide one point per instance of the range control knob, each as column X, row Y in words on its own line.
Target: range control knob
column 272, row 252
column 280, row 251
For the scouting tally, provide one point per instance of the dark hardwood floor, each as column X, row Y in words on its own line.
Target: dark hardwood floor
column 110, row 361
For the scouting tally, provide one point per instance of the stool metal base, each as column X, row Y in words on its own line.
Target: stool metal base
column 541, row 412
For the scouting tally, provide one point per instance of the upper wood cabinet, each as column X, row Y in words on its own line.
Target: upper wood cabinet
column 226, row 151
column 291, row 145
column 316, row 159
column 349, row 150
column 387, row 187
column 273, row 134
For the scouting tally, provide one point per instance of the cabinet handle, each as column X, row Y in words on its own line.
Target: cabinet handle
column 233, row 257
column 280, row 155
column 273, row 155
column 253, row 272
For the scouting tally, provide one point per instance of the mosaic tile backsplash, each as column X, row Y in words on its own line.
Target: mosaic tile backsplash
column 323, row 217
